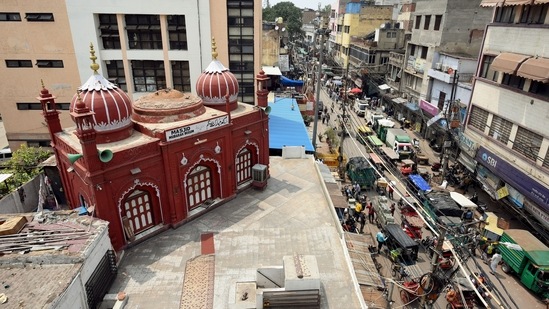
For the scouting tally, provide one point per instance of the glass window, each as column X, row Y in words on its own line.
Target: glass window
column 427, row 22
column 533, row 14
column 115, row 73
column 424, row 50
column 10, row 17
column 39, row 17
column 181, row 76
column 148, row 76
column 108, row 26
column 539, row 88
column 513, row 81
column 143, row 31
column 500, row 129
column 527, row 143
column 49, row 63
column 505, row 14
column 438, row 21
column 418, row 21
column 485, row 70
column 412, row 50
column 18, row 63
column 478, row 118
column 177, row 28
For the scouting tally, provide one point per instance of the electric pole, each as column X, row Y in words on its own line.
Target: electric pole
column 322, row 33
column 443, row 153
column 343, row 120
column 434, row 267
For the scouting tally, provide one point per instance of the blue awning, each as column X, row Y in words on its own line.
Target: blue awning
column 419, row 182
column 290, row 82
column 412, row 106
column 286, row 126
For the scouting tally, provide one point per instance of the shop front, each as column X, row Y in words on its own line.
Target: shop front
column 516, row 187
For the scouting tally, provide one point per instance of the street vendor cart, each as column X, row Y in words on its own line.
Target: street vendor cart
column 411, row 222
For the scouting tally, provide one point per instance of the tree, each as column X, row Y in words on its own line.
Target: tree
column 24, row 164
column 290, row 14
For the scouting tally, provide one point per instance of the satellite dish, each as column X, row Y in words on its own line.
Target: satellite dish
column 382, row 26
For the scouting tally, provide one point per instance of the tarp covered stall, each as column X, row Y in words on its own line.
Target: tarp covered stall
column 290, row 82
column 444, row 205
column 419, row 183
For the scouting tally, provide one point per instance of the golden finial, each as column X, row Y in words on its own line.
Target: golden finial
column 78, row 97
column 94, row 66
column 214, row 49
column 42, row 82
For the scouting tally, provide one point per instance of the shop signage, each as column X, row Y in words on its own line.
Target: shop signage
column 428, row 107
column 196, row 128
column 517, row 179
column 538, row 213
column 502, row 192
column 467, row 145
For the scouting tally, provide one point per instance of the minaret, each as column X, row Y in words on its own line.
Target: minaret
column 86, row 133
column 262, row 91
column 49, row 111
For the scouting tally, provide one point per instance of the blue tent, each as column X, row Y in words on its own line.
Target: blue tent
column 419, row 182
column 286, row 127
column 290, row 82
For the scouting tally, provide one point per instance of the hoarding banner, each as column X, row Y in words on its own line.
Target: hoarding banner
column 530, row 188
column 196, row 128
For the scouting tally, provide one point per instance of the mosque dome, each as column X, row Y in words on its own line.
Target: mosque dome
column 215, row 83
column 167, row 105
column 111, row 106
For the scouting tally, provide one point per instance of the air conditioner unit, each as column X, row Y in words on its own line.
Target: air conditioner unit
column 398, row 26
column 444, row 68
column 438, row 66
column 259, row 176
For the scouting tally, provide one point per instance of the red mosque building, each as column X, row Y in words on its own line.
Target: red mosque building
column 162, row 160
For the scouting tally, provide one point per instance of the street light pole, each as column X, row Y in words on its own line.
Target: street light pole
column 444, row 153
column 322, row 33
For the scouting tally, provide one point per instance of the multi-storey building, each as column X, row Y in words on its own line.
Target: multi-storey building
column 507, row 129
column 143, row 45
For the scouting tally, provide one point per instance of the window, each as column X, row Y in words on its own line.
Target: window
column 109, row 31
column 49, row 63
column 181, row 76
column 500, row 129
column 39, row 16
column 424, row 50
column 148, row 76
column 412, row 50
column 478, row 118
column 546, row 160
column 346, row 29
column 485, row 70
column 383, row 60
column 505, row 14
column 539, row 88
column 533, row 14
column 115, row 73
column 10, row 17
column 527, row 143
column 513, row 81
column 39, row 144
column 441, row 99
column 38, row 106
column 427, row 22
column 438, row 21
column 418, row 21
column 178, row 32
column 240, row 20
column 18, row 63
column 144, row 31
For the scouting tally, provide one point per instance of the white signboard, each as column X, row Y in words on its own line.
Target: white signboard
column 195, row 128
column 538, row 213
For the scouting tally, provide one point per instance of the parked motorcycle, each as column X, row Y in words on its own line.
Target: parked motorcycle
column 481, row 206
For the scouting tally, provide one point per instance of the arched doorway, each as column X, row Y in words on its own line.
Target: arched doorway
column 138, row 211
column 199, row 186
column 243, row 166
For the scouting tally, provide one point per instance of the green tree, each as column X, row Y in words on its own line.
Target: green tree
column 24, row 164
column 291, row 15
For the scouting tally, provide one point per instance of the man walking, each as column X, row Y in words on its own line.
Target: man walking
column 494, row 261
column 371, row 213
column 380, row 240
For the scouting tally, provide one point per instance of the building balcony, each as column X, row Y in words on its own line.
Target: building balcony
column 440, row 75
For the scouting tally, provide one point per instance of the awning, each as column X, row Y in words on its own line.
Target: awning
column 536, row 69
column 508, row 62
column 4, row 177
column 491, row 3
column 541, row 1
column 337, row 82
column 468, row 162
column 462, row 201
column 271, row 70
column 516, row 2
column 400, row 100
column 290, row 82
column 384, row 87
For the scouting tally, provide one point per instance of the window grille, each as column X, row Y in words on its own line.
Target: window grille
column 10, row 16
column 527, row 143
column 478, row 118
column 39, row 17
column 18, row 63
column 500, row 129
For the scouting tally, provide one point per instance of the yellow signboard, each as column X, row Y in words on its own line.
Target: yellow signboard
column 502, row 192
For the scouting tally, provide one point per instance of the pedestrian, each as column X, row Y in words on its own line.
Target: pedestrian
column 494, row 261
column 358, row 210
column 323, row 118
column 327, row 118
column 325, row 109
column 393, row 209
column 362, row 221
column 381, row 238
column 371, row 213
column 390, row 191
column 488, row 252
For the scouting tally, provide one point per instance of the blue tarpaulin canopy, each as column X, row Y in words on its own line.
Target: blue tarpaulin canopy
column 419, row 182
column 286, row 126
column 290, row 82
